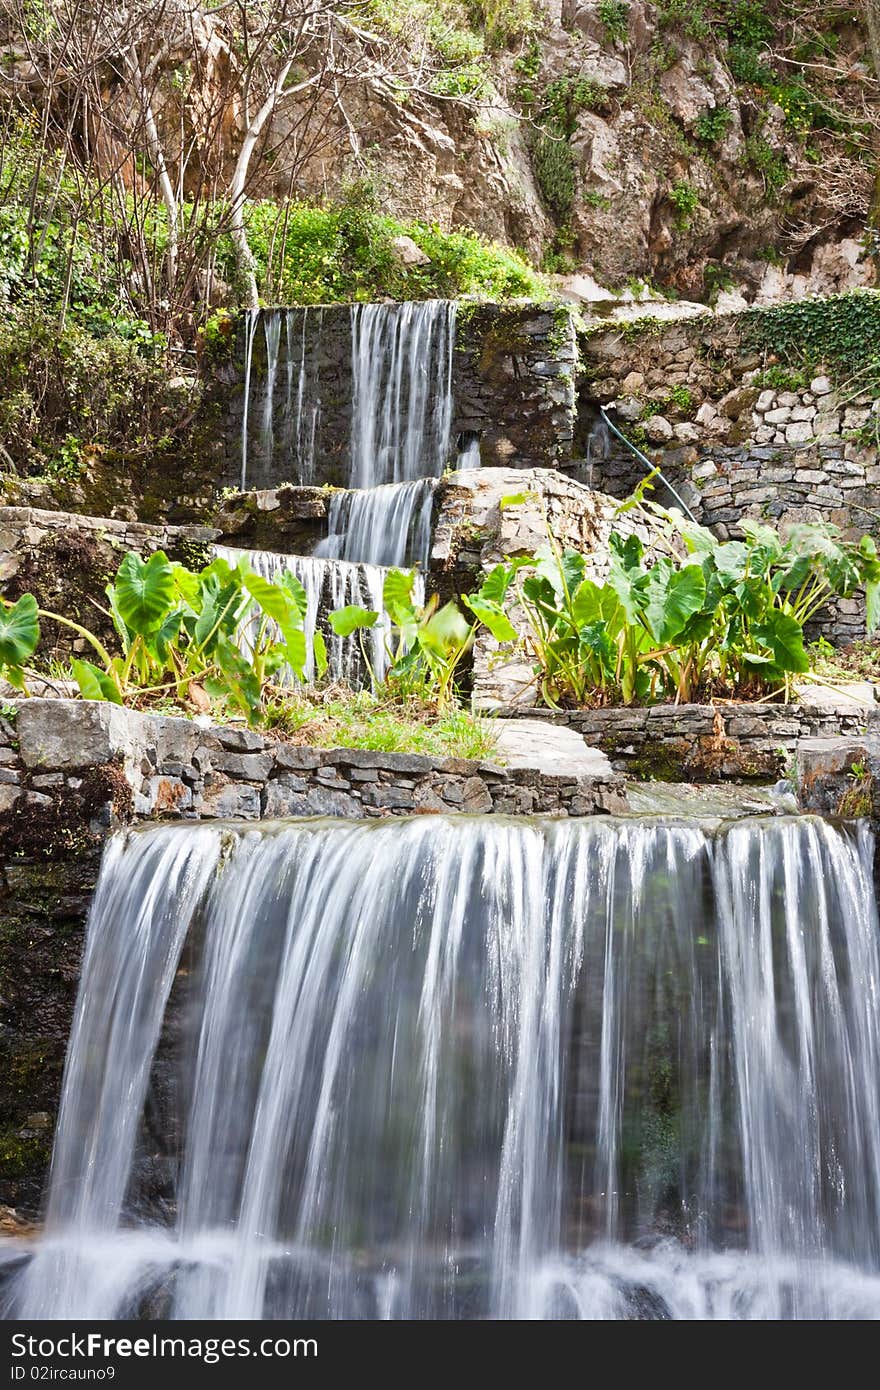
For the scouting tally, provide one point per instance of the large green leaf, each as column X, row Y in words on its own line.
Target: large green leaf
column 564, row 571
column 144, row 592
column 350, row 619
column 95, row 684
column 275, row 603
column 785, row 638
column 297, row 591
column 19, row 631
column 397, row 592
column 492, row 617
column 586, row 603
column 296, row 650
column 445, row 631
column 494, row 587
column 674, row 596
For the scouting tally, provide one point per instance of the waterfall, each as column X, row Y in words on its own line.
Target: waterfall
column 472, row 1067
column 388, row 525
column 297, row 367
column 329, row 584
column 401, row 390
column 401, row 393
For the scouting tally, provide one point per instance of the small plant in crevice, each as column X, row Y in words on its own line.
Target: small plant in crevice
column 712, row 126
column 685, row 200
column 614, row 18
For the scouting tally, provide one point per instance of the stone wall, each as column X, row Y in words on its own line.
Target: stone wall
column 709, row 743
column 65, row 561
column 513, row 387
column 178, row 767
column 693, row 398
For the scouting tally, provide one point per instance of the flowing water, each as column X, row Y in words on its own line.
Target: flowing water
column 388, row 525
column 401, row 393
column 472, row 1067
column 329, row 584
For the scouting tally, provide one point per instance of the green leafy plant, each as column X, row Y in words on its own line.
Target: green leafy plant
column 614, row 18
column 712, row 126
column 687, row 616
column 222, row 634
column 428, row 642
column 685, row 200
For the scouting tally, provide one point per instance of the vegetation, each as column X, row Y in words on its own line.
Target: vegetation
column 339, row 718
column 842, row 331
column 689, row 617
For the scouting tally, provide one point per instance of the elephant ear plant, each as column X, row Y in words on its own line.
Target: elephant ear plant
column 220, row 634
column 685, row 616
column 427, row 643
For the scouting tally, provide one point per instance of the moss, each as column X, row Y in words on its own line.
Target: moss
column 23, row 1154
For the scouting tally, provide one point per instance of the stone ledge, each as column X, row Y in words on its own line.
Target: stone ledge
column 707, row 743
column 159, row 766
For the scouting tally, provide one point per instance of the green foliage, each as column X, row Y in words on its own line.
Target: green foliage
column 768, row 162
column 506, row 20
column 553, row 163
column 217, row 336
column 19, row 635
column 614, row 18
column 318, row 255
column 712, row 126
column 364, row 720
column 778, row 378
column 429, row 642
column 726, row 617
column 842, row 330
column 685, row 199
column 64, row 392
column 748, row 66
column 687, row 15
column 563, row 100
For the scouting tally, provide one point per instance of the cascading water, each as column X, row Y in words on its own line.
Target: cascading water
column 329, row 584
column 401, row 385
column 388, row 525
column 287, row 425
column 458, row 1068
column 401, row 390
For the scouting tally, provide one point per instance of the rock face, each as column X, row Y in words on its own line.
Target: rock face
column 684, row 143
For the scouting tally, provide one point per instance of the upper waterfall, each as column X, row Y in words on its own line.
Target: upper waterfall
column 472, row 1067
column 396, row 386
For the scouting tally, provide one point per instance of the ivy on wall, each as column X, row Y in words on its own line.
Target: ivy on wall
column 842, row 331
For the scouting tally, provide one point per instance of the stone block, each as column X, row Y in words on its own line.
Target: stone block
column 230, row 800
column 60, row 734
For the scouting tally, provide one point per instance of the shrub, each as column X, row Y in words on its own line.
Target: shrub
column 713, row 125
column 685, row 199
column 614, row 18
column 553, row 163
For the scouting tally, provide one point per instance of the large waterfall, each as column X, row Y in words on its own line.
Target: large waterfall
column 466, row 1068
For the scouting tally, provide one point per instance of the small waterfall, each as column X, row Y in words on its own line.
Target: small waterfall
column 292, row 437
column 251, row 322
column 387, row 525
column 468, row 451
column 329, row 584
column 401, row 390
column 472, row 1067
